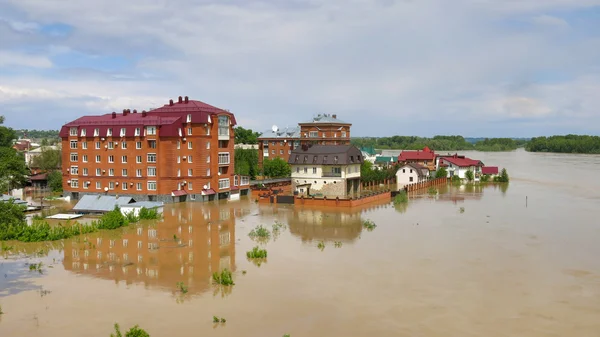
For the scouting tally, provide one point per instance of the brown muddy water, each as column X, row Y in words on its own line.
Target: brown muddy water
column 500, row 268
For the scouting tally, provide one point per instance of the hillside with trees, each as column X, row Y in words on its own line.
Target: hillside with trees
column 245, row 136
column 38, row 134
column 565, row 144
column 438, row 143
column 496, row 144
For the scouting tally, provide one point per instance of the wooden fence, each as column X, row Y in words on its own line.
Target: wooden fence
column 426, row 184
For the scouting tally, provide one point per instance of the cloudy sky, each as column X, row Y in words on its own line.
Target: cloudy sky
column 408, row 67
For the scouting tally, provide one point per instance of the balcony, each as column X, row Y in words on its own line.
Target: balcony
column 331, row 175
column 223, row 133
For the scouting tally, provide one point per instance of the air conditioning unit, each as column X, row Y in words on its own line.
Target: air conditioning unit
column 184, row 157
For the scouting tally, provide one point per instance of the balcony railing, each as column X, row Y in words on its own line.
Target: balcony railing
column 332, row 174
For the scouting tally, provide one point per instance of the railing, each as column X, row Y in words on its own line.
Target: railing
column 331, row 174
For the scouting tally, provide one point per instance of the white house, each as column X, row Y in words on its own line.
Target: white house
column 29, row 155
column 411, row 173
column 328, row 170
column 459, row 165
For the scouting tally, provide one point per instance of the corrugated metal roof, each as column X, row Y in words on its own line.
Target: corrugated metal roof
column 282, row 133
column 6, row 198
column 385, row 159
column 101, row 203
column 146, row 204
column 325, row 118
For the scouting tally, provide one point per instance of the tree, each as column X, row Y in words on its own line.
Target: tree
column 12, row 220
column 246, row 162
column 441, row 173
column 49, row 160
column 503, row 177
column 245, row 136
column 469, row 175
column 13, row 171
column 55, row 181
column 276, row 168
column 6, row 134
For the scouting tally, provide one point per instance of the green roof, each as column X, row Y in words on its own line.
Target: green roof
column 385, row 159
column 370, row 150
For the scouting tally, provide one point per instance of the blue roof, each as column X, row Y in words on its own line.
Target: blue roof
column 146, row 204
column 101, row 203
column 6, row 198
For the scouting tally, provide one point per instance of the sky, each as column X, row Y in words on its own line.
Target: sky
column 495, row 68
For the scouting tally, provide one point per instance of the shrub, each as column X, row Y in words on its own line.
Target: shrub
column 369, row 225
column 441, row 173
column 260, row 232
column 113, row 219
column 432, row 190
column 149, row 214
column 257, row 253
column 224, row 277
column 484, row 178
column 503, row 177
column 400, row 198
column 182, row 287
column 321, row 245
column 456, row 180
column 469, row 175
column 135, row 331
column 1, row 310
column 337, row 244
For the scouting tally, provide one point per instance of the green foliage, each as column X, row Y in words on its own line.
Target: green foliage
column 49, row 160
column 438, row 143
column 13, row 172
column 337, row 244
column 278, row 226
column 441, row 173
column 369, row 174
column 503, row 177
column 1, row 312
column 432, row 190
column 216, row 319
column 135, row 331
column 224, row 277
column 321, row 245
column 369, row 225
column 469, row 175
column 257, row 253
column 182, row 287
column 286, row 335
column 55, row 181
column 246, row 162
column 38, row 134
column 456, row 181
column 496, row 144
column 565, row 144
column 276, row 168
column 113, row 219
column 36, row 267
column 148, row 214
column 260, row 232
column 485, row 178
column 462, row 210
column 401, row 198
column 245, row 136
column 6, row 134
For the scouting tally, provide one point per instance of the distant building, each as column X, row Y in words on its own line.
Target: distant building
column 489, row 170
column 384, row 162
column 411, row 173
column 425, row 157
column 458, row 166
column 277, row 143
column 29, row 155
column 328, row 170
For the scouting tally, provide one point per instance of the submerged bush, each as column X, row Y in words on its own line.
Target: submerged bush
column 456, row 180
column 432, row 190
column 369, row 225
column 224, row 277
column 148, row 214
column 182, row 287
column 401, row 197
column 216, row 319
column 135, row 331
column 113, row 219
column 503, row 177
column 260, row 232
column 321, row 245
column 257, row 253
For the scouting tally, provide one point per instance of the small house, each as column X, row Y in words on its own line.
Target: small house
column 411, row 173
column 137, row 206
column 384, row 162
column 90, row 203
column 425, row 157
column 459, row 165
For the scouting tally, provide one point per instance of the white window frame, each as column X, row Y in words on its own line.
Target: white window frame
column 123, row 132
column 73, row 131
column 75, row 170
column 189, row 159
column 84, row 158
column 190, row 173
column 152, row 186
column 137, row 132
column 123, row 159
column 224, row 183
column 111, row 172
column 245, row 181
column 85, row 171
column 148, row 159
column 124, row 145
column 73, row 145
column 138, row 159
column 313, row 134
column 98, row 146
column 96, row 132
column 98, row 185
column 98, row 158
column 84, row 145
column 151, row 131
column 109, row 132
column 189, row 145
column 74, row 183
column 189, row 131
column 138, row 145
column 74, row 157
column 151, row 171
column 138, row 186
column 98, row 172
column 124, row 172
column 224, row 155
column 138, row 173
column 111, row 159
column 189, row 118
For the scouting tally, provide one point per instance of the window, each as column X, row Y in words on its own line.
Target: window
column 189, row 118
column 273, row 143
column 179, row 172
column 138, row 186
column 124, row 186
column 74, row 157
column 297, row 170
column 189, row 133
column 224, row 126
column 74, row 170
column 272, row 151
column 207, row 130
column 207, row 145
column 124, row 145
column 96, row 132
column 151, row 130
column 208, row 159
column 73, row 132
column 189, row 159
column 137, row 132
column 98, row 185
column 236, row 180
column 223, row 158
column 152, row 144
column 314, row 170
column 85, row 171
column 178, row 159
column 124, row 159
column 190, row 172
column 151, row 171
column 280, row 151
column 313, row 134
column 178, row 145
column 109, row 132
column 223, row 183
column 111, row 159
column 84, row 145
column 74, row 144
column 245, row 180
column 97, row 145
column 122, row 133
column 289, row 151
column 179, row 132
column 138, row 159
column 111, row 145
column 305, row 169
column 190, row 186
column 111, row 172
column 98, row 172
column 189, row 145
column 138, row 172
column 208, row 172
column 410, row 170
column 124, row 172
column 403, row 170
column 152, row 186
column 151, row 157
column 410, row 179
column 85, row 158
column 343, row 134
column 138, row 145
column 75, row 182
column 111, row 185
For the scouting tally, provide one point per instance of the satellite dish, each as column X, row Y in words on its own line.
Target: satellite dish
column 274, row 128
column 106, row 189
column 205, row 187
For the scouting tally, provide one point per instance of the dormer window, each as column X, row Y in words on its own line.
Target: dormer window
column 73, row 131
column 352, row 159
column 335, row 159
column 305, row 159
column 122, row 134
column 189, row 118
column 297, row 157
column 137, row 132
column 109, row 132
column 324, row 159
column 315, row 159
column 83, row 132
column 151, row 130
column 96, row 132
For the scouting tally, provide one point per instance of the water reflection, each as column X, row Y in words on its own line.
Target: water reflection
column 187, row 245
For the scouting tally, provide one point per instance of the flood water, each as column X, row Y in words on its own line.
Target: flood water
column 516, row 261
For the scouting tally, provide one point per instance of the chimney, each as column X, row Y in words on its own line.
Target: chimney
column 144, row 113
column 171, row 102
column 180, row 99
column 114, row 115
column 124, row 112
column 186, row 99
column 334, row 116
column 134, row 111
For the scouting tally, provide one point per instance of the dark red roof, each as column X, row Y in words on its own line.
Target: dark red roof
column 39, row 177
column 425, row 154
column 461, row 162
column 209, row 191
column 178, row 193
column 21, row 145
column 489, row 170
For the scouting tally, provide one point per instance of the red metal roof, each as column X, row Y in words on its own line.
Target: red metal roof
column 489, row 170
column 209, row 191
column 39, row 177
column 461, row 162
column 178, row 193
column 425, row 154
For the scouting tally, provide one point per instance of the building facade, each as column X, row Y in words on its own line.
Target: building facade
column 326, row 170
column 459, row 165
column 425, row 157
column 277, row 143
column 411, row 173
column 181, row 151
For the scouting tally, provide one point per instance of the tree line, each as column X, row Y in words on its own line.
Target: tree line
column 38, row 134
column 439, row 143
column 565, row 144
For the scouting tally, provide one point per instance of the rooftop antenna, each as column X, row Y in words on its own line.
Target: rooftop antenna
column 274, row 128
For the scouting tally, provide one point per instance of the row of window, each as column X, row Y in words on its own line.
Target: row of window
column 315, row 134
column 148, row 131
column 151, row 185
column 337, row 170
column 150, row 172
column 281, row 143
column 224, row 158
column 138, row 145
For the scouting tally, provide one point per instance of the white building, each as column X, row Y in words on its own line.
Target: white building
column 411, row 173
column 29, row 155
column 459, row 165
column 327, row 170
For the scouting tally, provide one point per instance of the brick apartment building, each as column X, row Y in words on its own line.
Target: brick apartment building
column 181, row 151
column 323, row 129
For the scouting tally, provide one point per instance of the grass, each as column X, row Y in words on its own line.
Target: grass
column 337, row 244
column 321, row 245
column 217, row 319
column 401, row 198
column 369, row 225
column 260, row 232
column 224, row 277
column 244, row 272
column 286, row 335
column 6, row 248
column 257, row 253
column 135, row 331
column 462, row 210
column 36, row 267
column 278, row 226
column 182, row 287
column 432, row 190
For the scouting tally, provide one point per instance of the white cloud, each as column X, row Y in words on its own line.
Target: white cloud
column 9, row 59
column 548, row 20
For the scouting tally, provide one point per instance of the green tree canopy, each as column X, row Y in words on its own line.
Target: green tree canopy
column 13, row 171
column 245, row 136
column 55, row 181
column 565, row 144
column 7, row 135
column 276, row 168
column 246, row 162
column 49, row 160
column 441, row 173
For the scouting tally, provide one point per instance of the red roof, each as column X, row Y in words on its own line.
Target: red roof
column 489, row 170
column 209, row 191
column 178, row 193
column 39, row 177
column 461, row 162
column 421, row 155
